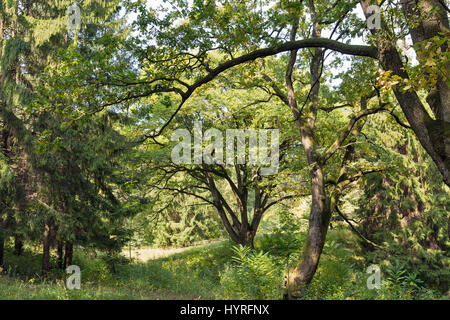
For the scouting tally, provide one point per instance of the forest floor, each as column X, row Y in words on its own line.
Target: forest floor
column 166, row 274
column 195, row 273
column 144, row 254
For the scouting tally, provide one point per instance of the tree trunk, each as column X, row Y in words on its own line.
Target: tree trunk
column 18, row 246
column 2, row 249
column 69, row 254
column 246, row 238
column 60, row 255
column 46, row 250
column 2, row 243
column 319, row 220
column 433, row 134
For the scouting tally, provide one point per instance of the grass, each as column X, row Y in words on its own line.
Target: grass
column 191, row 274
column 13, row 289
column 202, row 272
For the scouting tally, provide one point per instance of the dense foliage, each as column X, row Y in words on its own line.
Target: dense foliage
column 88, row 115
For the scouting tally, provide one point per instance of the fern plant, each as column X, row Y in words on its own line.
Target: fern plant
column 251, row 275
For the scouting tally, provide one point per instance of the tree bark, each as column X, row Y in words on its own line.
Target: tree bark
column 18, row 246
column 68, row 254
column 246, row 238
column 60, row 255
column 319, row 218
column 241, row 232
column 2, row 249
column 320, row 214
column 46, row 250
column 434, row 135
column 437, row 21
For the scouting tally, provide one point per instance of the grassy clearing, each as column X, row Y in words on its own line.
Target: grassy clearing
column 191, row 274
column 204, row 272
column 13, row 289
column 145, row 254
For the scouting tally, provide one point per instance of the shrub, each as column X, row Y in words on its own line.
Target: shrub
column 252, row 275
column 93, row 269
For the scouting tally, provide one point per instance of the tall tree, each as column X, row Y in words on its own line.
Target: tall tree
column 174, row 55
column 62, row 171
column 240, row 193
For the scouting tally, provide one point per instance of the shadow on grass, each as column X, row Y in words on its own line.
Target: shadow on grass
column 192, row 274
